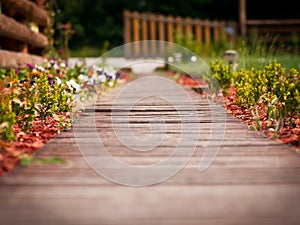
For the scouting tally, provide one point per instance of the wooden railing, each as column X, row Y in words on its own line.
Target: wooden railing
column 282, row 30
column 145, row 26
column 22, row 40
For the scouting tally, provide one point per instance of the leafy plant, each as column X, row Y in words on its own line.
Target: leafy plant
column 276, row 89
column 63, row 122
column 256, row 123
column 223, row 73
column 7, row 116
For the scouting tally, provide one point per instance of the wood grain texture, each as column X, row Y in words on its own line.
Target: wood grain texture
column 253, row 180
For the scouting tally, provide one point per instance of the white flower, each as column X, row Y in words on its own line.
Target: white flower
column 102, row 78
column 83, row 78
column 93, row 79
column 58, row 80
column 40, row 68
column 56, row 66
column 97, row 70
column 73, row 85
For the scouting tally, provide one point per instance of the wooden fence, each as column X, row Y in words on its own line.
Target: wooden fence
column 146, row 26
column 22, row 23
column 282, row 31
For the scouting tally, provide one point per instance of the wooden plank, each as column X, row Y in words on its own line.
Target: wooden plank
column 40, row 3
column 170, row 29
column 127, row 33
column 10, row 59
column 253, row 180
column 162, row 36
column 264, row 204
column 243, row 18
column 231, row 161
column 253, row 22
column 207, row 35
column 17, row 31
column 178, row 22
column 145, row 34
column 284, row 30
column 153, row 35
column 136, row 33
column 222, row 31
column 52, row 176
column 188, row 26
column 31, row 11
column 216, row 32
column 198, row 31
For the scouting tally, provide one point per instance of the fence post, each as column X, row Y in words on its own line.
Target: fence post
column 198, row 31
column 136, row 33
column 216, row 30
column 127, row 33
column 170, row 29
column 207, row 34
column 178, row 21
column 243, row 18
column 161, row 27
column 188, row 26
column 144, row 26
column 153, row 34
column 222, row 31
column 145, row 33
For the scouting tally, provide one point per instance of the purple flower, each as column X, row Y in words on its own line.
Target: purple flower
column 30, row 66
column 109, row 77
column 50, row 80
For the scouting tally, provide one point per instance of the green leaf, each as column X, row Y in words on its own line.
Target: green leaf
column 56, row 117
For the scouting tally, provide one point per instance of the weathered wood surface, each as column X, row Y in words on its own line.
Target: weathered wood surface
column 253, row 180
column 18, row 59
column 17, row 31
column 30, row 10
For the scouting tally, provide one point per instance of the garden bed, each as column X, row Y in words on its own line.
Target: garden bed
column 288, row 134
column 39, row 102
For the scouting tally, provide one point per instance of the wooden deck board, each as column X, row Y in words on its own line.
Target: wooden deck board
column 253, row 180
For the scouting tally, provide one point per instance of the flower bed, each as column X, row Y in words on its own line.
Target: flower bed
column 267, row 100
column 38, row 102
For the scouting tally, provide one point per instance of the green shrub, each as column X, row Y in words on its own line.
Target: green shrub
column 222, row 73
column 275, row 88
column 7, row 116
column 29, row 93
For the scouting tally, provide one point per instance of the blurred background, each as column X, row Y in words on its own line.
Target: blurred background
column 98, row 24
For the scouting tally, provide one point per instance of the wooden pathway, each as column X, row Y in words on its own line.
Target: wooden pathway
column 253, row 180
